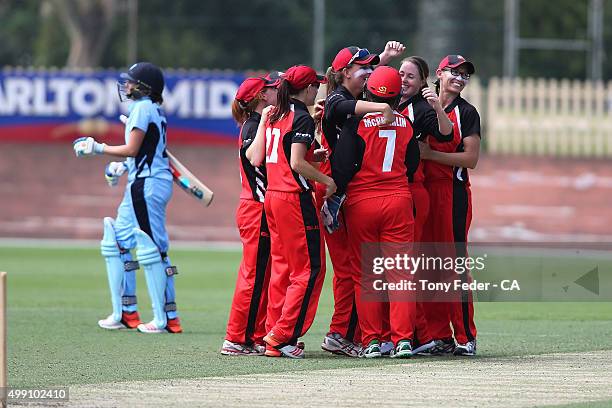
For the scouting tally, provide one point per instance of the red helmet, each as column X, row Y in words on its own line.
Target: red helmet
column 385, row 82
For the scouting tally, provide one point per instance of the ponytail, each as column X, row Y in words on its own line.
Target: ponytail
column 334, row 80
column 283, row 101
column 241, row 111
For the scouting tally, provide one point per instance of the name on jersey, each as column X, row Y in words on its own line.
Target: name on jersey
column 304, row 135
column 399, row 121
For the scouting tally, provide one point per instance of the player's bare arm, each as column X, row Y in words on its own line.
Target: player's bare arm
column 318, row 110
column 301, row 166
column 131, row 148
column 392, row 50
column 320, row 155
column 468, row 158
column 87, row 146
column 445, row 126
column 363, row 107
column 256, row 153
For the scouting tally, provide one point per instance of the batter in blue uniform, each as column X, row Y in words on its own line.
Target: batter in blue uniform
column 141, row 216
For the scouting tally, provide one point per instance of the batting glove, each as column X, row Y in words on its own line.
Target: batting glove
column 113, row 171
column 87, row 146
column 330, row 210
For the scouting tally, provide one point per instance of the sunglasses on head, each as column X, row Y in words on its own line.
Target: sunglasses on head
column 359, row 55
column 456, row 73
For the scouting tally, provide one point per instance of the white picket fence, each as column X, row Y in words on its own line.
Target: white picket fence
column 545, row 116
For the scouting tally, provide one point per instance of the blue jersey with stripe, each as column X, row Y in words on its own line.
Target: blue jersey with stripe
column 151, row 160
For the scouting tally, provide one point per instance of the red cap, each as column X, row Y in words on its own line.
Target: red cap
column 354, row 55
column 273, row 79
column 249, row 89
column 453, row 61
column 300, row 76
column 385, row 82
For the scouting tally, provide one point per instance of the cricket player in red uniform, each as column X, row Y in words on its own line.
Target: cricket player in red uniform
column 371, row 164
column 446, row 180
column 422, row 106
column 246, row 324
column 346, row 79
column 284, row 137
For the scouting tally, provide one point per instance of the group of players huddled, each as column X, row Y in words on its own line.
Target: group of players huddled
column 387, row 172
column 383, row 160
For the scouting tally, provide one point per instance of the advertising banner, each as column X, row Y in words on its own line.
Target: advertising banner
column 57, row 106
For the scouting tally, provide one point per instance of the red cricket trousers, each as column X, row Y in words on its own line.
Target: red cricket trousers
column 376, row 221
column 344, row 319
column 449, row 222
column 420, row 198
column 247, row 317
column 298, row 263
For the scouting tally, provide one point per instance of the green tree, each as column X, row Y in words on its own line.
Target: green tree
column 18, row 29
column 88, row 23
column 266, row 34
column 440, row 29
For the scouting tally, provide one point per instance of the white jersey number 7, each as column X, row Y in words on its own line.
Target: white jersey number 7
column 390, row 135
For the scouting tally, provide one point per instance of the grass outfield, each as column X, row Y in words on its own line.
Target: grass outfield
column 56, row 296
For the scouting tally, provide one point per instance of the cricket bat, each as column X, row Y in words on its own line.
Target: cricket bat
column 185, row 179
column 188, row 182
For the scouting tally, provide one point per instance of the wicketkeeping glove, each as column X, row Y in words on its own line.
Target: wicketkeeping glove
column 330, row 210
column 113, row 171
column 87, row 146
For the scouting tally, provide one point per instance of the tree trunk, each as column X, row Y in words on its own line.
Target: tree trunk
column 440, row 25
column 88, row 24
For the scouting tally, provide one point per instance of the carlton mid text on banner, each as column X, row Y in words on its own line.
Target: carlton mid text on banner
column 57, row 106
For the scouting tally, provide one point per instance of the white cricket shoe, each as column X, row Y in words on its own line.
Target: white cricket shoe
column 260, row 348
column 150, row 328
column 230, row 348
column 289, row 350
column 466, row 349
column 335, row 343
column 371, row 351
column 111, row 324
column 292, row 351
column 402, row 350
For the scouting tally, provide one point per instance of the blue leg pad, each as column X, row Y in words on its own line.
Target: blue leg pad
column 114, row 265
column 128, row 297
column 170, row 294
column 155, row 274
